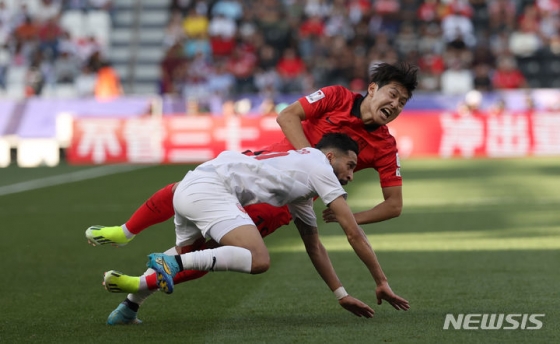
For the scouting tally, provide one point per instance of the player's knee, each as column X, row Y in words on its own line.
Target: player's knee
column 261, row 263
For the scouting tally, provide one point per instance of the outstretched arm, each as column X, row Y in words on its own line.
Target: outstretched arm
column 359, row 242
column 290, row 120
column 390, row 207
column 320, row 259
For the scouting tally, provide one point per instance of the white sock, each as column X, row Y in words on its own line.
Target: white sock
column 140, row 296
column 225, row 258
column 126, row 232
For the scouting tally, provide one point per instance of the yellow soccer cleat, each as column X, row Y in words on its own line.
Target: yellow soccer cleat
column 101, row 235
column 117, row 282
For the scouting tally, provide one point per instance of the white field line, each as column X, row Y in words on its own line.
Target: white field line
column 67, row 178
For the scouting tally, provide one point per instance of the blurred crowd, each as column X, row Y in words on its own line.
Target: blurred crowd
column 226, row 48
column 232, row 47
column 38, row 50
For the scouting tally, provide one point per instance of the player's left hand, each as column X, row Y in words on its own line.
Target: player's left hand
column 328, row 216
column 356, row 306
column 384, row 292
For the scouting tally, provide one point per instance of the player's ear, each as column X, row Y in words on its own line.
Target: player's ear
column 372, row 87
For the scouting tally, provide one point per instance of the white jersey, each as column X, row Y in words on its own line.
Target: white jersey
column 292, row 177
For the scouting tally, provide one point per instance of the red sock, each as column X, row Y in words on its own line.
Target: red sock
column 158, row 208
column 183, row 276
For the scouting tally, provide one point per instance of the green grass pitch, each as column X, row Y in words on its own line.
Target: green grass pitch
column 475, row 236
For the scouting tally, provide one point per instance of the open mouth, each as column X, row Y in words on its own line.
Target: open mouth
column 386, row 112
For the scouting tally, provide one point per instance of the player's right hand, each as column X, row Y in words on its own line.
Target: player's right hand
column 328, row 216
column 356, row 306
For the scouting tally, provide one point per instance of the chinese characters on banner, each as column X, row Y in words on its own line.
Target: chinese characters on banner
column 179, row 139
column 174, row 139
column 437, row 134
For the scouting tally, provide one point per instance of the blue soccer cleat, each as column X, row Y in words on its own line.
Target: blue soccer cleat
column 166, row 268
column 123, row 315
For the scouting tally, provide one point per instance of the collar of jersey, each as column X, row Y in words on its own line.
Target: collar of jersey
column 355, row 111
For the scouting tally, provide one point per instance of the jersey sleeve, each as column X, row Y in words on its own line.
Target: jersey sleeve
column 323, row 180
column 304, row 211
column 389, row 166
column 316, row 104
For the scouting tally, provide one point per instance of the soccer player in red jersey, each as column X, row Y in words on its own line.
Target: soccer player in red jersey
column 330, row 109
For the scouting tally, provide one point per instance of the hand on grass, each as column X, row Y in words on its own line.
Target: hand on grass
column 384, row 292
column 356, row 306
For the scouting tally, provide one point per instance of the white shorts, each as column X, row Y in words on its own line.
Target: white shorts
column 204, row 207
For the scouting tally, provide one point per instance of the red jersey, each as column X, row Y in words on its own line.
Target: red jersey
column 337, row 109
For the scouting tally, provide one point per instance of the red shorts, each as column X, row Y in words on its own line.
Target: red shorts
column 268, row 218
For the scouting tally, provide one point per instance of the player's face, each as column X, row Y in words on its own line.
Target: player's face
column 383, row 105
column 344, row 165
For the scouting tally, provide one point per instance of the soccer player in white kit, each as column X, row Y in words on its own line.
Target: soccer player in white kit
column 209, row 203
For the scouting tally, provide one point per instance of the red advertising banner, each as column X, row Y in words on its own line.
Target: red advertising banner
column 180, row 139
column 483, row 134
column 175, row 139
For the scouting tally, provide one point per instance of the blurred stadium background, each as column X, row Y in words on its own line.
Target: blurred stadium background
column 162, row 81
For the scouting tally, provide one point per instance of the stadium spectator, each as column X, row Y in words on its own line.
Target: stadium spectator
column 231, row 9
column 27, row 32
column 46, row 11
column 431, row 67
column 88, row 48
column 223, row 26
column 195, row 23
column 171, row 65
column 502, row 15
column 457, row 24
column 242, row 65
column 456, row 80
column 407, row 39
column 174, row 31
column 5, row 16
column 222, row 31
column 49, row 34
column 430, row 11
column 34, row 77
column 526, row 41
column 273, row 25
column 319, row 8
column 430, row 40
column 291, row 69
column 333, row 108
column 85, row 82
column 482, row 80
column 66, row 68
column 108, row 85
column 220, row 81
column 507, row 75
column 196, row 82
column 309, row 31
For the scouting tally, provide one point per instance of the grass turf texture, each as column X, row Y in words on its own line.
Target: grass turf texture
column 475, row 236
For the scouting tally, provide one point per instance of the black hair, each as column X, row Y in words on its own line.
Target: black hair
column 402, row 72
column 339, row 141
